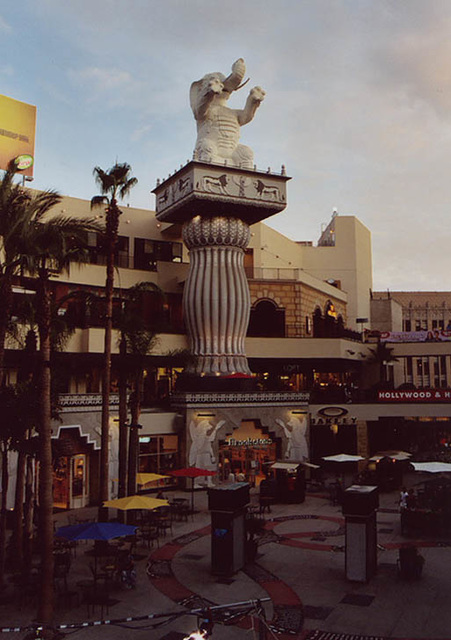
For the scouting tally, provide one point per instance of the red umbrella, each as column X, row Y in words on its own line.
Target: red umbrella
column 191, row 472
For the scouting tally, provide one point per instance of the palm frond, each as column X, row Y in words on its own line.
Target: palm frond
column 98, row 201
column 116, row 180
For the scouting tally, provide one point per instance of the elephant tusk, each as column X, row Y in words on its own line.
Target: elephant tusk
column 242, row 84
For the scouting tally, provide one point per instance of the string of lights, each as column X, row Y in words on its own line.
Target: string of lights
column 205, row 620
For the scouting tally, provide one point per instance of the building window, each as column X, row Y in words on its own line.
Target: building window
column 158, row 454
column 267, row 320
column 409, row 367
column 149, row 252
column 97, row 250
column 407, row 325
column 438, row 324
column 419, row 367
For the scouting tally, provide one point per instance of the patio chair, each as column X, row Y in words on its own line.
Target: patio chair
column 149, row 535
column 410, row 563
column 164, row 520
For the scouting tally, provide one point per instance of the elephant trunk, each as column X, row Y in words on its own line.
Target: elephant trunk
column 234, row 80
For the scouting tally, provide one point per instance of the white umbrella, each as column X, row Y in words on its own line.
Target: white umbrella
column 396, row 454
column 432, row 467
column 343, row 457
column 392, row 456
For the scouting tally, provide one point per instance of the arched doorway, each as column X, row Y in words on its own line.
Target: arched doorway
column 267, row 320
column 71, row 460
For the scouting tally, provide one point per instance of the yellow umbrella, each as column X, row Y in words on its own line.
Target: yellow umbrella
column 147, row 478
column 135, row 502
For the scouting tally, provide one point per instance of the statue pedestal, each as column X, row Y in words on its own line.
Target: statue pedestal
column 216, row 205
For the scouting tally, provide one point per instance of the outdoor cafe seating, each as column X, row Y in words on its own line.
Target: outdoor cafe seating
column 180, row 509
column 149, row 534
column 431, row 512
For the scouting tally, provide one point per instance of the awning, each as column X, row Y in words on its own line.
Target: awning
column 287, row 466
column 293, row 466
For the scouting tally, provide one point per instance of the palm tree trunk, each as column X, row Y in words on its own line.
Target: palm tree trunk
column 46, row 604
column 18, row 510
column 28, row 515
column 4, row 511
column 123, row 428
column 112, row 226
column 5, row 312
column 133, row 452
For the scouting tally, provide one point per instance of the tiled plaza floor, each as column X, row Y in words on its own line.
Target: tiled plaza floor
column 299, row 566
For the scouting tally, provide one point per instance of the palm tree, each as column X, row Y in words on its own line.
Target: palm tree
column 138, row 336
column 28, row 408
column 114, row 184
column 381, row 356
column 14, row 200
column 47, row 248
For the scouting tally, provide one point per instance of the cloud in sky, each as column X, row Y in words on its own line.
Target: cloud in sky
column 358, row 106
column 4, row 26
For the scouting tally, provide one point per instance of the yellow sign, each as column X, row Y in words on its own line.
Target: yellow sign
column 17, row 133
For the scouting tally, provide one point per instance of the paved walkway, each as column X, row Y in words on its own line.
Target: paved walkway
column 300, row 567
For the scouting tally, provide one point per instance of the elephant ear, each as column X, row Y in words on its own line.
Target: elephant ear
column 195, row 96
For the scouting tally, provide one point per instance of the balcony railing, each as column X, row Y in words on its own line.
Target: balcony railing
column 272, row 273
column 84, row 401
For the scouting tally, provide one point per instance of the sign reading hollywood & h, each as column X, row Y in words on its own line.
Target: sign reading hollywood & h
column 416, row 395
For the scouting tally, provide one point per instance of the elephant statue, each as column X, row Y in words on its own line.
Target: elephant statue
column 218, row 126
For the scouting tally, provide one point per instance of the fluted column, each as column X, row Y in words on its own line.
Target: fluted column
column 216, row 298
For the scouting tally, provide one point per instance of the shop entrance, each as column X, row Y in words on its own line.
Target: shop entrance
column 71, row 456
column 247, row 453
column 70, row 482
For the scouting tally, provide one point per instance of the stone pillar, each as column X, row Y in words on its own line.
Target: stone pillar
column 216, row 298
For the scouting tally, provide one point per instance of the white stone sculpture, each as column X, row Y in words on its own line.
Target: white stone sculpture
column 201, row 453
column 297, row 448
column 218, row 126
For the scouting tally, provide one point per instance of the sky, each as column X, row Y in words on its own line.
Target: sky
column 357, row 107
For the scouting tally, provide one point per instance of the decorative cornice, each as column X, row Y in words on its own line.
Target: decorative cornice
column 85, row 401
column 241, row 399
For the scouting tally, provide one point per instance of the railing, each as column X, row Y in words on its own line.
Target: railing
column 84, row 401
column 299, row 330
column 272, row 273
column 242, row 398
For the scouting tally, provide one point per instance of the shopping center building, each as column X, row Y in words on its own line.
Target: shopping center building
column 312, row 344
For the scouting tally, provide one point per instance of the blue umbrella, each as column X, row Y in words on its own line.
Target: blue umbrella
column 95, row 531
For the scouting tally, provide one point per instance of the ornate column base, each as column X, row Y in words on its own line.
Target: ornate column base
column 216, row 297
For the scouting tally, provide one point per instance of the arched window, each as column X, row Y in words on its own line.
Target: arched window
column 267, row 320
column 330, row 320
column 318, row 324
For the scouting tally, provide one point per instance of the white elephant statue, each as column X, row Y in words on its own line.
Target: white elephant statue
column 218, row 126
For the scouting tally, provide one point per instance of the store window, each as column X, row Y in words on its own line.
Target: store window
column 247, row 452
column 158, row 454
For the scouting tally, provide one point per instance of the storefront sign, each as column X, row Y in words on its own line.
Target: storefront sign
column 416, row 395
column 249, row 442
column 332, row 415
column 436, row 335
column 339, row 421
